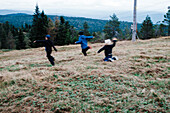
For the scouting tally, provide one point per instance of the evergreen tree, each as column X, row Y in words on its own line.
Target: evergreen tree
column 127, row 33
column 162, row 29
column 112, row 27
column 147, row 30
column 10, row 38
column 159, row 29
column 156, row 29
column 62, row 20
column 57, row 22
column 85, row 29
column 39, row 26
column 20, row 43
column 63, row 35
column 51, row 29
column 3, row 44
column 34, row 34
column 68, row 33
column 44, row 23
column 14, row 31
column 167, row 21
column 26, row 28
column 11, row 41
column 27, row 40
column 99, row 37
column 6, row 27
column 73, row 34
column 56, row 29
column 7, row 40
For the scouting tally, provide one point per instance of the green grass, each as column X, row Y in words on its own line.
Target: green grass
column 81, row 91
column 11, row 68
column 6, row 50
column 39, row 65
column 91, row 67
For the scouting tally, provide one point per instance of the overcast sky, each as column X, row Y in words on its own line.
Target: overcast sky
column 100, row 9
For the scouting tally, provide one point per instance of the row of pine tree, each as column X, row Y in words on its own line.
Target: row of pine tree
column 62, row 33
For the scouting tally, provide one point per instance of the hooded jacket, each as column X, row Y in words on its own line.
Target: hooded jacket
column 82, row 40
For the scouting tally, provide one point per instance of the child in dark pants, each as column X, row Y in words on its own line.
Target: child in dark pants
column 48, row 48
column 82, row 40
column 108, row 50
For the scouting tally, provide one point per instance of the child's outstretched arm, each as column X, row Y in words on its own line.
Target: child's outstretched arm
column 39, row 41
column 79, row 41
column 103, row 48
column 114, row 42
column 88, row 36
column 53, row 46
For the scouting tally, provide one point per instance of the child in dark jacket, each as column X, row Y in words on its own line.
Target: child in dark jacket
column 108, row 50
column 82, row 40
column 48, row 44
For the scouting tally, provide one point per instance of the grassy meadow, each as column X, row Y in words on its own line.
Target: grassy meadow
column 138, row 82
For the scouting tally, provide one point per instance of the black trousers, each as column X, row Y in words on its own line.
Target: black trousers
column 50, row 58
column 84, row 51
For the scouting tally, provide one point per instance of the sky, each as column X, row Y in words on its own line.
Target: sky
column 98, row 9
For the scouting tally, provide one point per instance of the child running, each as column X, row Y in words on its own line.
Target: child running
column 108, row 50
column 48, row 48
column 82, row 40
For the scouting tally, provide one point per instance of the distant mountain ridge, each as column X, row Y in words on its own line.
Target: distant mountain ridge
column 8, row 11
column 122, row 15
column 95, row 25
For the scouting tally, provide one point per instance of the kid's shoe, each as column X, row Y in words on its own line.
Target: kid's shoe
column 115, row 58
column 110, row 59
column 90, row 47
column 53, row 58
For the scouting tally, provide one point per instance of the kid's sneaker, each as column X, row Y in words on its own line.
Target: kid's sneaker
column 110, row 59
column 115, row 58
column 90, row 47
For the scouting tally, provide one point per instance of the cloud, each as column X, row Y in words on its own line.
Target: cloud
column 83, row 5
column 101, row 9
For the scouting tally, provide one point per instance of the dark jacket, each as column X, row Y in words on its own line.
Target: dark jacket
column 48, row 44
column 108, row 49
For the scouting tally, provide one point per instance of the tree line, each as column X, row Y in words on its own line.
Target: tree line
column 62, row 33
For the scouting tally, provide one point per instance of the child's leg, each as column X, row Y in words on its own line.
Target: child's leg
column 84, row 51
column 105, row 59
column 50, row 58
column 109, row 58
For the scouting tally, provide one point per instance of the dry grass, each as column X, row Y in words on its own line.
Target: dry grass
column 137, row 82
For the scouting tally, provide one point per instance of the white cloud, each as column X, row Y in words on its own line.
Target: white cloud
column 88, row 8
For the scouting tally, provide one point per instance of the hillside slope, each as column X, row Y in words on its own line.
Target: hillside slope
column 95, row 24
column 137, row 82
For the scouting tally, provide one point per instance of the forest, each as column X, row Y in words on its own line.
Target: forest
column 20, row 19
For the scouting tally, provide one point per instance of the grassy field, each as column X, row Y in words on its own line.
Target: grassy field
column 138, row 82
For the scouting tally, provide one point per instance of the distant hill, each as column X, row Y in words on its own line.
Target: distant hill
column 9, row 11
column 95, row 25
column 122, row 15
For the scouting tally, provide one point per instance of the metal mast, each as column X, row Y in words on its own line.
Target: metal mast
column 134, row 34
